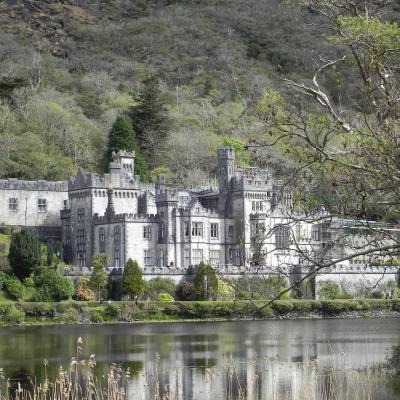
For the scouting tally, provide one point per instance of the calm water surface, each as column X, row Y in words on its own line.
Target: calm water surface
column 319, row 359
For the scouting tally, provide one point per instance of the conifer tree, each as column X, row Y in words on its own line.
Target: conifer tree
column 151, row 121
column 122, row 137
column 133, row 284
column 24, row 254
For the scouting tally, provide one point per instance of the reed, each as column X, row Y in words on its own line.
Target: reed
column 229, row 380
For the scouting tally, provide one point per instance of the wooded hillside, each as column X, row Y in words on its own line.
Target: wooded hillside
column 69, row 68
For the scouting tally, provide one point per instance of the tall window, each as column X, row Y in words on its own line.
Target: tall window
column 282, row 237
column 231, row 231
column 148, row 259
column 316, row 232
column 81, row 214
column 162, row 231
column 13, row 204
column 117, row 261
column 197, row 229
column 82, row 258
column 147, row 232
column 162, row 258
column 186, row 229
column 42, row 205
column 215, row 257
column 187, row 257
column 214, row 231
column 102, row 235
column 197, row 256
column 117, row 233
column 68, row 225
column 80, row 236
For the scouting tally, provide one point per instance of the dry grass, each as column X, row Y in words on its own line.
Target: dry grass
column 231, row 380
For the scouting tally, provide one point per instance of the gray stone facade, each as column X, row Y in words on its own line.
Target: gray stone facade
column 170, row 230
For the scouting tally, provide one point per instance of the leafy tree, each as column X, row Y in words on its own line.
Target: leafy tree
column 150, row 119
column 24, row 254
column 82, row 289
column 205, row 283
column 99, row 279
column 122, row 137
column 14, row 288
column 133, row 284
column 156, row 286
column 52, row 286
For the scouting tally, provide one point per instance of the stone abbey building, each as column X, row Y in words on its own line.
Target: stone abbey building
column 163, row 228
column 244, row 224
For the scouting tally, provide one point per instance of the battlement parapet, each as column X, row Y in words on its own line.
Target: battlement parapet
column 208, row 212
column 39, row 185
column 123, row 153
column 126, row 217
column 167, row 195
column 226, row 153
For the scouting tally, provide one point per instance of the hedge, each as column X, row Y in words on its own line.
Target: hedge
column 85, row 312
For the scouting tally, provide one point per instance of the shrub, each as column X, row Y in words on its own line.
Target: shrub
column 337, row 307
column 14, row 288
column 184, row 291
column 377, row 294
column 14, row 315
column 24, row 253
column 38, row 309
column 51, row 286
column 303, row 306
column 95, row 315
column 3, row 278
column 156, row 286
column 82, row 289
column 329, row 290
column 282, row 306
column 165, row 297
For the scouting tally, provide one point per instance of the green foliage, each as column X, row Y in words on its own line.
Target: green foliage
column 51, row 286
column 122, row 137
column 133, row 283
column 184, row 290
column 82, row 289
column 257, row 288
column 329, row 290
column 99, row 279
column 165, row 297
column 394, row 359
column 24, row 253
column 3, row 279
column 14, row 315
column 205, row 283
column 156, row 286
column 150, row 119
column 14, row 288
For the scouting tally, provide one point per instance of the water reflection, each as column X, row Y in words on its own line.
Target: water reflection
column 256, row 360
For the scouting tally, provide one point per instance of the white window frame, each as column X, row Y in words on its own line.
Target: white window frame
column 197, row 256
column 42, row 205
column 13, row 204
column 197, row 228
column 147, row 232
column 147, row 258
column 214, row 230
column 215, row 257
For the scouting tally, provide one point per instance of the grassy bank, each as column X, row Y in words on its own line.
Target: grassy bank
column 93, row 312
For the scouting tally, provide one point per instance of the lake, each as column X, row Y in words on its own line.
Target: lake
column 282, row 360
